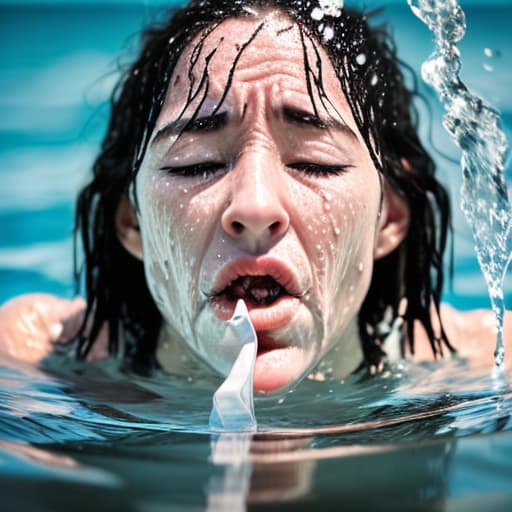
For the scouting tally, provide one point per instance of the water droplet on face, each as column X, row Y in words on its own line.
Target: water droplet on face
column 181, row 205
column 360, row 266
column 337, row 231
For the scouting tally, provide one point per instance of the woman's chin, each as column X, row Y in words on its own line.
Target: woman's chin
column 277, row 368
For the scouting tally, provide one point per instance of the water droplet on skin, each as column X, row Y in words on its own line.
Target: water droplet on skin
column 219, row 256
column 360, row 267
column 181, row 205
column 337, row 231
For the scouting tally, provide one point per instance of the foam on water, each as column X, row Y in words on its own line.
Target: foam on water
column 475, row 128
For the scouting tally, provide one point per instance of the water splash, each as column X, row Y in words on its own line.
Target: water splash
column 233, row 402
column 475, row 128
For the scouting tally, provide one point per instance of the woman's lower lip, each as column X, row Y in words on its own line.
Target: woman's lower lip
column 263, row 318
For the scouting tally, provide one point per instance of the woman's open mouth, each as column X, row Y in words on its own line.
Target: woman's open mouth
column 269, row 303
column 272, row 294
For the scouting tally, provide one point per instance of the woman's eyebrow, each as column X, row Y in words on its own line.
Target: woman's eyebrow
column 191, row 125
column 301, row 117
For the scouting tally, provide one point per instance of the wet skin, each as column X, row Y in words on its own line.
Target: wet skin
column 261, row 185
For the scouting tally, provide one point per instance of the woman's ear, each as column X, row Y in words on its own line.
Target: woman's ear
column 394, row 222
column 128, row 230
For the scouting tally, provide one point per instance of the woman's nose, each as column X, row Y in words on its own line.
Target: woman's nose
column 256, row 214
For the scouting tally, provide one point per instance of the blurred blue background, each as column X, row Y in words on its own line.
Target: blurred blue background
column 58, row 63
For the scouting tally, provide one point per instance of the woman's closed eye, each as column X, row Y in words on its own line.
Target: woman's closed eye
column 204, row 169
column 317, row 169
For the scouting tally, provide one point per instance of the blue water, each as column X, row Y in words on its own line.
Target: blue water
column 431, row 437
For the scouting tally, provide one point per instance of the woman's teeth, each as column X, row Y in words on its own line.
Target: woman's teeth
column 260, row 290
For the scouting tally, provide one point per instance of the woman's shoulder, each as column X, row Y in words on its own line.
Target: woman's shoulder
column 31, row 325
column 472, row 333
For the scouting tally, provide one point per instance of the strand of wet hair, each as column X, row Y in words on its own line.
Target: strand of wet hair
column 308, row 70
column 234, row 64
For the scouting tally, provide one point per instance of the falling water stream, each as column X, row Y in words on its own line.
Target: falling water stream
column 475, row 128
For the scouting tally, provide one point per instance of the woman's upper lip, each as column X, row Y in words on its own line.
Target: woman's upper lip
column 259, row 266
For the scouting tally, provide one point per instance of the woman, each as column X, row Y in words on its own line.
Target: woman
column 264, row 151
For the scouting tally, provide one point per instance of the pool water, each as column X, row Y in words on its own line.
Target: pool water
column 417, row 437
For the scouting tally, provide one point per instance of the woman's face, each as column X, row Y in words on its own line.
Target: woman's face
column 265, row 196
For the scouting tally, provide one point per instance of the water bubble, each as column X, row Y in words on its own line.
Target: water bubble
column 331, row 7
column 374, row 80
column 328, row 34
column 317, row 13
column 361, row 59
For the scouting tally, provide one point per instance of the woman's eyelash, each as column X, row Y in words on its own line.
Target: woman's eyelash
column 201, row 169
column 206, row 169
column 314, row 169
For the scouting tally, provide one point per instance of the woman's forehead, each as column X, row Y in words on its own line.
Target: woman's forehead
column 269, row 46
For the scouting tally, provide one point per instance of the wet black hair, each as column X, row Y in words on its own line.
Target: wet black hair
column 407, row 282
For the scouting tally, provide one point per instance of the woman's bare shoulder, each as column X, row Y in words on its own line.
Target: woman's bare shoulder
column 30, row 326
column 472, row 333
